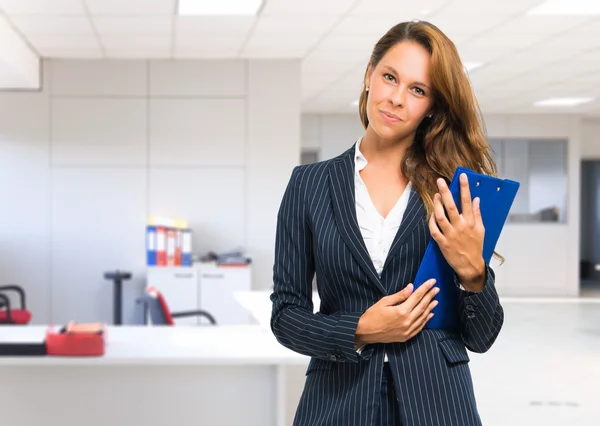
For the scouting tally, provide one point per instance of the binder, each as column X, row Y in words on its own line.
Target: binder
column 171, row 242
column 178, row 246
column 151, row 245
column 497, row 196
column 186, row 247
column 161, row 246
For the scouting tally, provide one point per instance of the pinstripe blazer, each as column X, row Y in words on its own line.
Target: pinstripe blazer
column 317, row 233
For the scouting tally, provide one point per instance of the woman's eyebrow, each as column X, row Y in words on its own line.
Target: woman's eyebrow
column 416, row 82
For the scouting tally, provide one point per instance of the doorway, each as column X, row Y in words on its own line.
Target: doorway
column 589, row 271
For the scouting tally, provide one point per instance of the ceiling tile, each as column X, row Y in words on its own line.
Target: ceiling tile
column 296, row 24
column 208, row 53
column 214, row 24
column 131, row 7
column 505, row 42
column 138, row 53
column 375, row 24
column 132, row 25
column 63, row 41
column 453, row 25
column 403, row 9
column 54, row 7
column 287, row 7
column 150, row 42
column 527, row 24
column 283, row 52
column 338, row 42
column 40, row 24
column 282, row 41
column 72, row 53
column 209, row 42
column 472, row 8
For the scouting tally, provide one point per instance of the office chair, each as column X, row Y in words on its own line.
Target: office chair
column 10, row 315
column 155, row 303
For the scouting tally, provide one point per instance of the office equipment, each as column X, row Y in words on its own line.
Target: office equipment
column 10, row 315
column 497, row 196
column 117, row 277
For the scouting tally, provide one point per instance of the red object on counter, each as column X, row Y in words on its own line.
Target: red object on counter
column 75, row 340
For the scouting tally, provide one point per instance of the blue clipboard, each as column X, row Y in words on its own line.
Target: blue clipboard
column 496, row 196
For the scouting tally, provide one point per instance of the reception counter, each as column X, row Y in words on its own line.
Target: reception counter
column 155, row 376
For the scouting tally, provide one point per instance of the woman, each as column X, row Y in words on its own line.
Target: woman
column 362, row 221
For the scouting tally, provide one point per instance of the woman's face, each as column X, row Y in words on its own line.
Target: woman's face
column 400, row 93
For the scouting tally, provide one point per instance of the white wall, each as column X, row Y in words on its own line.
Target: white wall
column 590, row 149
column 106, row 143
column 542, row 259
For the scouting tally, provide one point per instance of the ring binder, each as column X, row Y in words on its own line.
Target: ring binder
column 497, row 196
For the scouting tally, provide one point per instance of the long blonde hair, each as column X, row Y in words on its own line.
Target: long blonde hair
column 455, row 135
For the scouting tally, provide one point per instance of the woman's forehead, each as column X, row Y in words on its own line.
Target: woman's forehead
column 409, row 59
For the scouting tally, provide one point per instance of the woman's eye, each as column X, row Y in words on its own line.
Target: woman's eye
column 420, row 91
column 389, row 77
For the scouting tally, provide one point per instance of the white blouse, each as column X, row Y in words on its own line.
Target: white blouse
column 378, row 233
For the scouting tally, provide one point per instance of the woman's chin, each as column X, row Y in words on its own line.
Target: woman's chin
column 385, row 131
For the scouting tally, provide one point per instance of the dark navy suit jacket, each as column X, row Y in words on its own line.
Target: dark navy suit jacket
column 318, row 233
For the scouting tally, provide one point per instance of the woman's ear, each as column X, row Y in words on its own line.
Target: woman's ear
column 368, row 75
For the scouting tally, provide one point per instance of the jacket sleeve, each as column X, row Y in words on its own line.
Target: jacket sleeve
column 329, row 337
column 481, row 315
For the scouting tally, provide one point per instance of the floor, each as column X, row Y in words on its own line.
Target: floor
column 544, row 369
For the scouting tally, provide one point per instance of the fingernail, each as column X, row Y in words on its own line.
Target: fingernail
column 437, row 290
column 463, row 177
column 435, row 303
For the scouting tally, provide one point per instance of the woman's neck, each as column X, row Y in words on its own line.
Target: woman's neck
column 384, row 152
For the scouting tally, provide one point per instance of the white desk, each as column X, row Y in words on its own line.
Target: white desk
column 155, row 376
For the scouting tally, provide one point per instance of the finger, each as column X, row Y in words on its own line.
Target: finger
column 419, row 324
column 477, row 219
column 425, row 303
column 414, row 299
column 440, row 216
column 435, row 232
column 465, row 200
column 448, row 201
column 399, row 297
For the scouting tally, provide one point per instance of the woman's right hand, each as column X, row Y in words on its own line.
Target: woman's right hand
column 397, row 317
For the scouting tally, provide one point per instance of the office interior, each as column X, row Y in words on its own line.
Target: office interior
column 120, row 115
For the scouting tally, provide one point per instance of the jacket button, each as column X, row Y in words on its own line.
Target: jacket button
column 333, row 357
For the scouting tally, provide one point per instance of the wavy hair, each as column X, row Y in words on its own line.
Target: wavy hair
column 455, row 135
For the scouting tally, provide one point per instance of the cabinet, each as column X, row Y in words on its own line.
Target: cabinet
column 204, row 286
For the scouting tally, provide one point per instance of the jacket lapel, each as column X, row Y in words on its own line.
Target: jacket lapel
column 415, row 212
column 341, row 180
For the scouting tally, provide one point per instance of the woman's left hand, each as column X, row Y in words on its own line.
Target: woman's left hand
column 460, row 236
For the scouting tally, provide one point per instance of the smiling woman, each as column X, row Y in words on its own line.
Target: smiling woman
column 361, row 222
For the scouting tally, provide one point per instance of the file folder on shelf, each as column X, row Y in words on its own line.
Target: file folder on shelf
column 496, row 196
